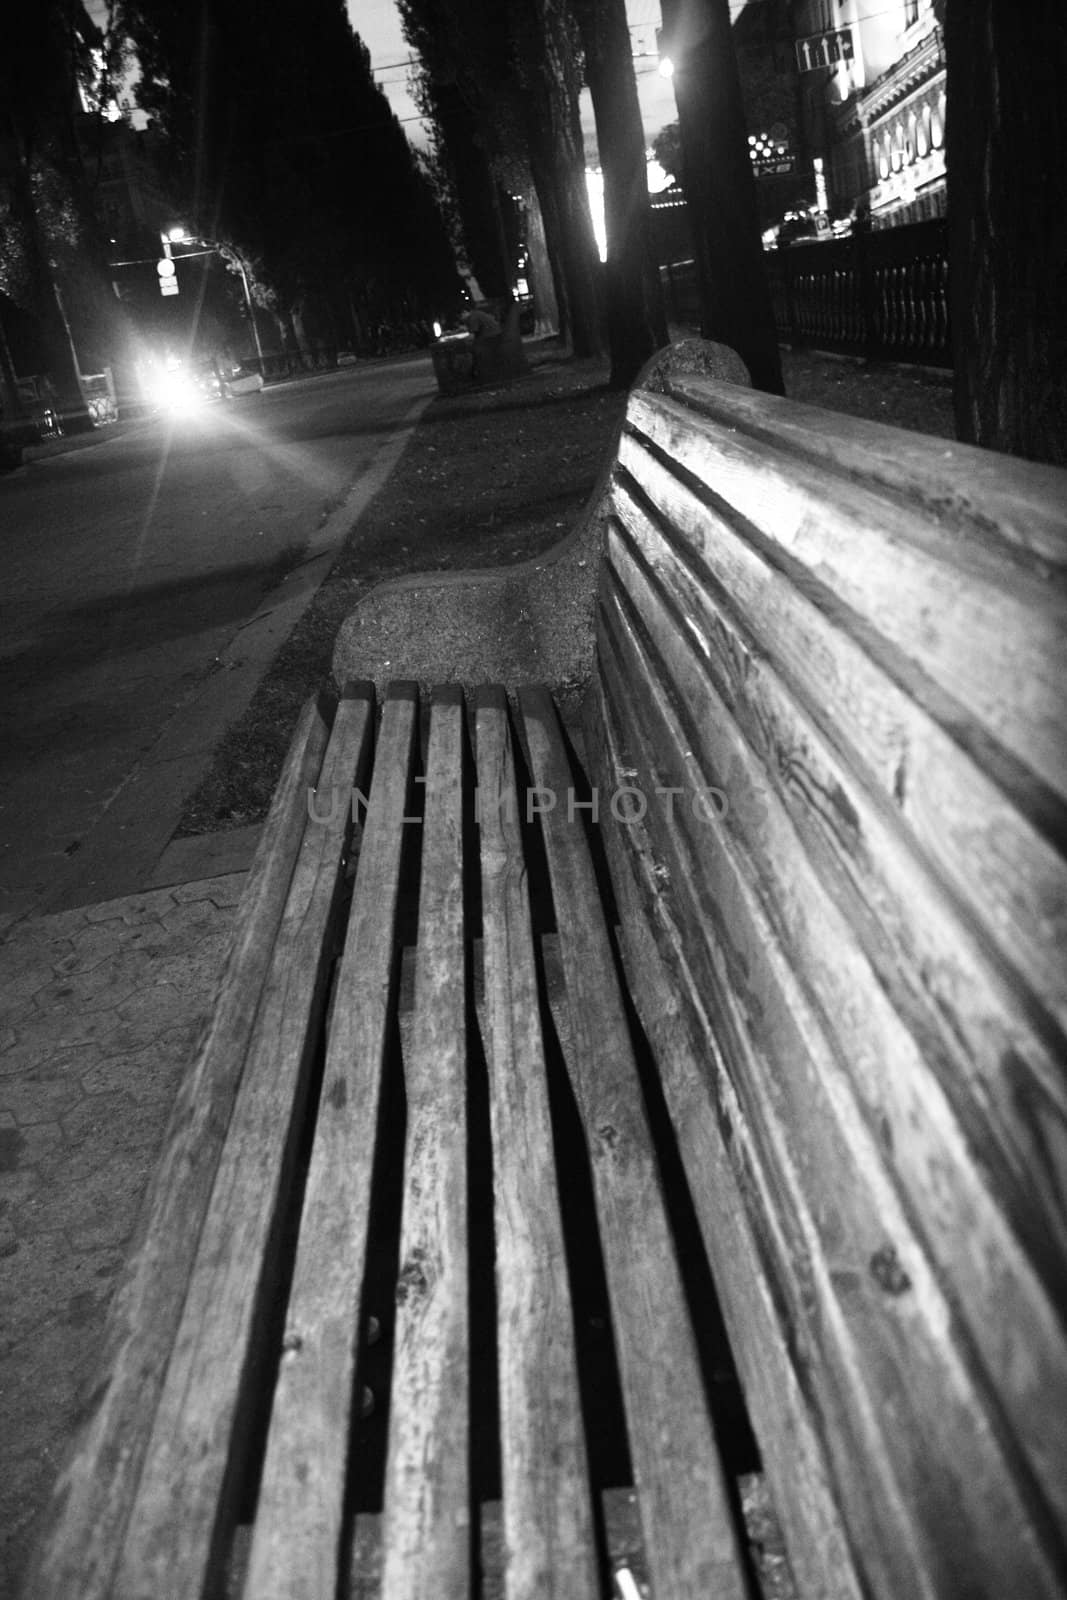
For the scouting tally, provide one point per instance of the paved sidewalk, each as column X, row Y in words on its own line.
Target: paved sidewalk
column 100, row 1008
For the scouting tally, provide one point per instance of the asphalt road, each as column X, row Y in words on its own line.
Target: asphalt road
column 148, row 581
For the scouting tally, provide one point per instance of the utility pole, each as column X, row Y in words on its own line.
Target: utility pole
column 719, row 186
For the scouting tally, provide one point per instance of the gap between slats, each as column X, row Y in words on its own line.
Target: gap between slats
column 869, row 1344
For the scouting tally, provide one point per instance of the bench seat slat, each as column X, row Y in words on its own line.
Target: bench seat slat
column 933, row 771
column 689, row 1531
column 296, row 1546
column 887, row 1341
column 548, row 1522
column 427, row 1480
column 928, row 597
column 93, row 1494
column 178, row 1523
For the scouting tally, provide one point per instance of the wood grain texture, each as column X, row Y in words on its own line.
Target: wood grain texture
column 1015, row 507
column 688, row 1525
column 178, row 1524
column 915, row 1086
column 297, row 1540
column 925, row 764
column 427, row 1478
column 882, row 1326
column 717, row 1151
column 863, row 657
column 91, row 1499
column 952, row 620
column 548, row 1522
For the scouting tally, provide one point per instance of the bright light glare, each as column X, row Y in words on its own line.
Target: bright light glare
column 666, row 67
column 594, row 181
column 176, row 235
column 175, row 392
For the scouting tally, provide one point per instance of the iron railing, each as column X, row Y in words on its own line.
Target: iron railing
column 881, row 295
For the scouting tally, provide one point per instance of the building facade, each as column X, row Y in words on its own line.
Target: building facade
column 871, row 77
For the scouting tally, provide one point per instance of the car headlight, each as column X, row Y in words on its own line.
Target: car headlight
column 175, row 392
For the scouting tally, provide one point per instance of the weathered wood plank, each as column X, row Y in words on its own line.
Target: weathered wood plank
column 907, row 808
column 716, row 1148
column 179, row 1518
column 949, row 620
column 690, row 1535
column 297, row 1540
column 931, row 770
column 880, row 1338
column 92, row 1496
column 548, row 1522
column 922, row 1102
column 427, row 1476
column 995, row 500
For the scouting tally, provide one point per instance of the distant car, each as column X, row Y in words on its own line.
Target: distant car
column 242, row 382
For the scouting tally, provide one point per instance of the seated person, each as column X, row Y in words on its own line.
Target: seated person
column 481, row 324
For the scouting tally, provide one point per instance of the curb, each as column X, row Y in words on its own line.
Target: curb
column 126, row 847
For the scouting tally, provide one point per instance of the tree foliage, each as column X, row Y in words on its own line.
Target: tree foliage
column 286, row 149
column 515, row 66
column 52, row 251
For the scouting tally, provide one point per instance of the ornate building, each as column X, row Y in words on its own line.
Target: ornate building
column 873, row 105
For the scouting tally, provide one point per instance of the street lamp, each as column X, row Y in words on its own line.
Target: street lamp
column 179, row 235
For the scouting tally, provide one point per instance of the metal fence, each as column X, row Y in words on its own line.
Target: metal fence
column 881, row 295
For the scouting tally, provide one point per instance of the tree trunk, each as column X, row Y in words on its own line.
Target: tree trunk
column 720, row 188
column 539, row 268
column 475, row 191
column 637, row 325
column 71, row 408
column 546, row 45
column 1006, row 149
column 10, row 403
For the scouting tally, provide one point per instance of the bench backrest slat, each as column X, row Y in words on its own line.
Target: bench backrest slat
column 876, row 927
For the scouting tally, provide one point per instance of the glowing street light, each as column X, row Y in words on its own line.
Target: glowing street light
column 177, row 234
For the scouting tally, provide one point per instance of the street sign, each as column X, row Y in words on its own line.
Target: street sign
column 165, row 267
column 825, row 49
column 168, row 286
column 770, row 153
column 774, row 166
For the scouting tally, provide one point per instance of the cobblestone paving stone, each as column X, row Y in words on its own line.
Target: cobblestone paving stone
column 100, row 1008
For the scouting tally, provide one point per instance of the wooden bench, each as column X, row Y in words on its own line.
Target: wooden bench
column 746, row 999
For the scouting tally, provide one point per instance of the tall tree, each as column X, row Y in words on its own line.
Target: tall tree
column 516, row 63
column 293, row 157
column 637, row 324
column 1006, row 149
column 719, row 186
column 46, row 57
column 547, row 50
column 461, row 144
